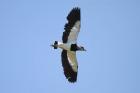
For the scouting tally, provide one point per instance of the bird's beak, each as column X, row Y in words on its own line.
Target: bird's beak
column 85, row 50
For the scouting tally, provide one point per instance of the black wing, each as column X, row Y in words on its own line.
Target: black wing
column 70, row 74
column 72, row 18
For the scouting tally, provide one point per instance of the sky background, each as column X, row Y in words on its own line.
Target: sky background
column 110, row 32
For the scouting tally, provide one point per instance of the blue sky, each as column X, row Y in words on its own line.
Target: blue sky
column 110, row 31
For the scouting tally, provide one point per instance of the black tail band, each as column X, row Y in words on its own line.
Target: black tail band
column 55, row 44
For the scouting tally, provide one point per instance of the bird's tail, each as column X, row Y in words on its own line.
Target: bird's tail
column 55, row 45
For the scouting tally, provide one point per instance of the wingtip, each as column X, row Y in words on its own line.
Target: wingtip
column 71, row 80
column 76, row 8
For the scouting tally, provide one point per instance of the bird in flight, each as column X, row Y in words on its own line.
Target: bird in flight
column 69, row 45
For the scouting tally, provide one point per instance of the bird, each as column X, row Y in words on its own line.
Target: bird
column 69, row 45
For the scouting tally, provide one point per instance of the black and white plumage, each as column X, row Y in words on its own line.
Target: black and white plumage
column 69, row 45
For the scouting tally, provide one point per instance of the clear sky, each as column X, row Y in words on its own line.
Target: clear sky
column 110, row 32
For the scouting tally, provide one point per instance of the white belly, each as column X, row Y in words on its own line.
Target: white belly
column 65, row 46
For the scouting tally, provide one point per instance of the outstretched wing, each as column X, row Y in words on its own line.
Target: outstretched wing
column 72, row 27
column 70, row 66
column 69, row 61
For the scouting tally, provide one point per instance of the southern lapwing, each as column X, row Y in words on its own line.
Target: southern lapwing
column 69, row 45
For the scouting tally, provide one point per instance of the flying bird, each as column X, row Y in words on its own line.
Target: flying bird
column 69, row 45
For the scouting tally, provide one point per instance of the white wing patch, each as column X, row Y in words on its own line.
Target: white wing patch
column 72, row 60
column 72, row 38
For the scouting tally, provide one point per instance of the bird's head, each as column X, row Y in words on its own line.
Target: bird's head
column 81, row 48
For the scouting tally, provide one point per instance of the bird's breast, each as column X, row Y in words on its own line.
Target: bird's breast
column 73, row 47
